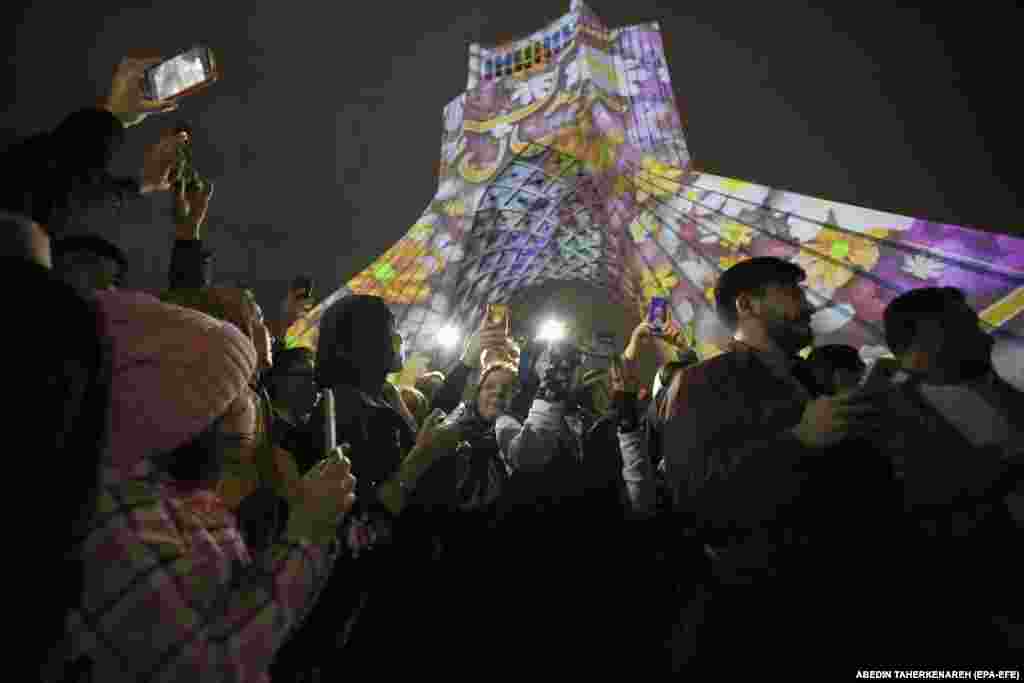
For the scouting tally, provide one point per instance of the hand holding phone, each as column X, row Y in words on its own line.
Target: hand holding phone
column 658, row 315
column 494, row 336
column 181, row 75
column 127, row 99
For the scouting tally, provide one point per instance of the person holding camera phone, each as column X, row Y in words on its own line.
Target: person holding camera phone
column 476, row 353
column 184, row 616
column 390, row 536
column 50, row 176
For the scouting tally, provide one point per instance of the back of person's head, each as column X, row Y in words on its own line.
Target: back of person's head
column 904, row 314
column 752, row 277
column 355, row 344
column 835, row 367
column 934, row 331
column 89, row 262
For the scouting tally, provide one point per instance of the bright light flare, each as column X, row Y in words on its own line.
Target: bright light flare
column 552, row 331
column 448, row 336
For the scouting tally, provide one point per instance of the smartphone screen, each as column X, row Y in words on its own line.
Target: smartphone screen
column 178, row 74
column 657, row 315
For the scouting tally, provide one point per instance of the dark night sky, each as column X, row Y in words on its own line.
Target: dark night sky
column 323, row 136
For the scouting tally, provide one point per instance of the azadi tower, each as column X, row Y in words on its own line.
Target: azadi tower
column 565, row 159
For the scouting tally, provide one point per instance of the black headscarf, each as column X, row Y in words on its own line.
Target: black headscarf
column 348, row 317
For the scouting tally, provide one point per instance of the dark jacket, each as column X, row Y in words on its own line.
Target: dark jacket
column 804, row 527
column 60, row 405
column 369, row 594
column 450, row 395
column 191, row 265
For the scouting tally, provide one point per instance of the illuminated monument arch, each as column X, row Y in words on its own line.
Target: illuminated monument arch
column 565, row 159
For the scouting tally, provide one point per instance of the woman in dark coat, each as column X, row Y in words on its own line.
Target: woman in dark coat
column 372, row 597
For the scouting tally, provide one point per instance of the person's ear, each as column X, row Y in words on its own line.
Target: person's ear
column 747, row 305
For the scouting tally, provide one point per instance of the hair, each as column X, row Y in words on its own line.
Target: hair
column 837, row 357
column 751, row 277
column 904, row 313
column 346, row 319
column 90, row 244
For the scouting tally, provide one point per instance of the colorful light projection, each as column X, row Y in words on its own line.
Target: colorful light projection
column 575, row 167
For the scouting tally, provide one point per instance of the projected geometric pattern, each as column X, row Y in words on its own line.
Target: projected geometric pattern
column 565, row 159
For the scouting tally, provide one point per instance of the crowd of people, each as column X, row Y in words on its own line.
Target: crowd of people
column 743, row 512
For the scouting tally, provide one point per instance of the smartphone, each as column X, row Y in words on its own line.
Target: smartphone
column 658, row 315
column 330, row 426
column 498, row 315
column 181, row 75
column 303, row 284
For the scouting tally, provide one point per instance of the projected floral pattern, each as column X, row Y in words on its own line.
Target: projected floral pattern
column 576, row 167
